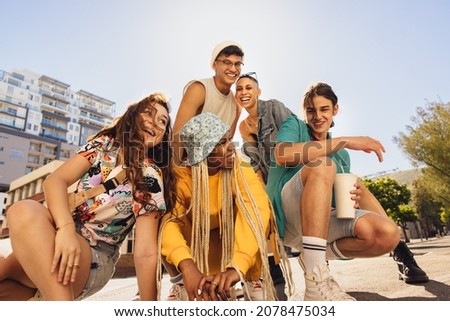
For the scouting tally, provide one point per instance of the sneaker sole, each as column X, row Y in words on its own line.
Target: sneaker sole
column 412, row 280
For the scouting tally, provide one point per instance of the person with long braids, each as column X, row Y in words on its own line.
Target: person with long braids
column 63, row 255
column 216, row 235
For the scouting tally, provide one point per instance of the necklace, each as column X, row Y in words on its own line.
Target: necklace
column 251, row 124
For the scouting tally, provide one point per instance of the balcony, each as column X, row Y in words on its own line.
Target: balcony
column 55, row 136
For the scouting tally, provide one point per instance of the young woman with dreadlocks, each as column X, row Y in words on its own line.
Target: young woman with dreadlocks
column 216, row 236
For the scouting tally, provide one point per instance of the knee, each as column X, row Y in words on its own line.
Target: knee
column 386, row 238
column 320, row 169
column 21, row 213
column 381, row 235
column 392, row 236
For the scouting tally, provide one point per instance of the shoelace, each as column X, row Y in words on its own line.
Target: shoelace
column 256, row 286
column 337, row 292
column 407, row 257
column 175, row 291
column 331, row 287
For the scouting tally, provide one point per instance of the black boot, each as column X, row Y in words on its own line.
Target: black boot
column 408, row 270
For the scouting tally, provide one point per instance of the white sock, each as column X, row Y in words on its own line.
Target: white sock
column 314, row 250
column 334, row 253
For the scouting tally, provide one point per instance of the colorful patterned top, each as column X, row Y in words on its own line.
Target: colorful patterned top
column 109, row 217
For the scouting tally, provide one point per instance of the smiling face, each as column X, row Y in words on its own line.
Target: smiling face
column 247, row 92
column 222, row 155
column 228, row 68
column 319, row 113
column 156, row 120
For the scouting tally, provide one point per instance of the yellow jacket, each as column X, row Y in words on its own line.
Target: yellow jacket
column 176, row 235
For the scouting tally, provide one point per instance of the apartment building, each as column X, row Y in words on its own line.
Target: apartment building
column 43, row 119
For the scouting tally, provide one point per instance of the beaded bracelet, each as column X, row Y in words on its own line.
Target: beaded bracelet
column 60, row 227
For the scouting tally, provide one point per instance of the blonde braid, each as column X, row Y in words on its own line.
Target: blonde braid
column 200, row 216
column 227, row 219
column 284, row 260
column 255, row 223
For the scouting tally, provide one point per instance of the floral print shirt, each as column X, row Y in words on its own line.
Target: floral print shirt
column 110, row 216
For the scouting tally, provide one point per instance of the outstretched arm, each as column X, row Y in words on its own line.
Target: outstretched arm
column 293, row 154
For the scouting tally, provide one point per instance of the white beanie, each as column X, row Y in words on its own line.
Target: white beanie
column 221, row 46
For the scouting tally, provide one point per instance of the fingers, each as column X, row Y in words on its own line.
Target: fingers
column 215, row 287
column 203, row 289
column 379, row 155
column 68, row 272
column 379, row 150
column 55, row 261
column 75, row 269
column 368, row 145
column 68, row 267
column 215, row 291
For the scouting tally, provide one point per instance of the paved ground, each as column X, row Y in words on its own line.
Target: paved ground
column 372, row 279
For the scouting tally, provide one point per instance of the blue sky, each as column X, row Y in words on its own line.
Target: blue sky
column 384, row 58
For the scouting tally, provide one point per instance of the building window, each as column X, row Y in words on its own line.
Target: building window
column 35, row 147
column 47, row 160
column 33, row 159
column 16, row 154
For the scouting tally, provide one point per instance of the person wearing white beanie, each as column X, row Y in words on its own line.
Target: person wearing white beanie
column 212, row 94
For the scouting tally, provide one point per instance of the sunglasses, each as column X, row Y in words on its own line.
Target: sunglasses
column 252, row 75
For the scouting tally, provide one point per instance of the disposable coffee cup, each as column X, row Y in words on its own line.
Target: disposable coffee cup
column 343, row 184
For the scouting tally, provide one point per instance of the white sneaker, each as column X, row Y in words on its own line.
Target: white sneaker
column 321, row 286
column 137, row 297
column 255, row 291
column 177, row 293
column 37, row 296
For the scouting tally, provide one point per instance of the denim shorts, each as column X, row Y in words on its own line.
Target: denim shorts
column 290, row 195
column 104, row 259
column 103, row 265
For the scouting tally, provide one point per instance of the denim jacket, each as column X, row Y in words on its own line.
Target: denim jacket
column 271, row 114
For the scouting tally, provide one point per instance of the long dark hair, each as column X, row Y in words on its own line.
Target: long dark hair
column 128, row 129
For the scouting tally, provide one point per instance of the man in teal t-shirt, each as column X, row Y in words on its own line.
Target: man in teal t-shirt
column 300, row 184
column 295, row 130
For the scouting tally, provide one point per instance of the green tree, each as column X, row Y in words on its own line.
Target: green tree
column 428, row 208
column 394, row 198
column 445, row 217
column 427, row 143
column 405, row 213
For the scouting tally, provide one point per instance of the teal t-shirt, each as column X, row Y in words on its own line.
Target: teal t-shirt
column 295, row 130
